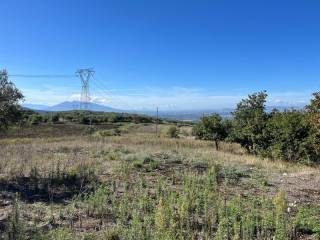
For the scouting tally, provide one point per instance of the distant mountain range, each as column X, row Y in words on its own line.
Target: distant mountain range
column 36, row 107
column 69, row 106
column 183, row 115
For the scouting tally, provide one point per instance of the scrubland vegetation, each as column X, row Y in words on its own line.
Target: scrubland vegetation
column 82, row 117
column 252, row 177
column 291, row 135
column 139, row 186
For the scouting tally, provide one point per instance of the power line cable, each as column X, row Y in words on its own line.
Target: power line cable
column 103, row 90
column 119, row 99
column 100, row 89
column 108, row 93
column 99, row 84
column 113, row 98
column 42, row 75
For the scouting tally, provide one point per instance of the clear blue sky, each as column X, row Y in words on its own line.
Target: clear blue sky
column 178, row 54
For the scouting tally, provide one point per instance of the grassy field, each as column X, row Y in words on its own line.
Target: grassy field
column 122, row 182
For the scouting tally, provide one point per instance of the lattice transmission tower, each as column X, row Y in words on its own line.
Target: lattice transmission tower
column 85, row 75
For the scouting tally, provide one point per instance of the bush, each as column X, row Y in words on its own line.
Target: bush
column 112, row 233
column 55, row 118
column 173, row 132
column 108, row 133
column 289, row 135
column 308, row 220
column 35, row 119
column 60, row 234
column 15, row 229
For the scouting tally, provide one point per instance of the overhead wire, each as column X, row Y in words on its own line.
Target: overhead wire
column 99, row 88
column 103, row 88
column 42, row 75
column 97, row 83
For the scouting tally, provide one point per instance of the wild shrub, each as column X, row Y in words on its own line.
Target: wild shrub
column 308, row 220
column 35, row 119
column 55, row 118
column 90, row 130
column 161, row 223
column 112, row 233
column 280, row 216
column 289, row 137
column 15, row 227
column 59, row 234
column 173, row 132
column 96, row 202
column 108, row 133
column 153, row 165
column 313, row 110
column 77, row 177
column 232, row 174
column 138, row 164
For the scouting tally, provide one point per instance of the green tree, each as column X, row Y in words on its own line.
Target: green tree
column 249, row 122
column 314, row 111
column 211, row 128
column 290, row 136
column 10, row 111
column 314, row 105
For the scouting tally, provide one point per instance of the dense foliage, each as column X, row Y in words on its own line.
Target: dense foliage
column 249, row 122
column 289, row 135
column 84, row 117
column 9, row 98
column 211, row 128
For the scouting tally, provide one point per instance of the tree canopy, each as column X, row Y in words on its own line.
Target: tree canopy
column 211, row 128
column 289, row 135
column 9, row 99
column 249, row 122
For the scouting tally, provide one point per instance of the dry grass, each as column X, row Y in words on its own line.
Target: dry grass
column 19, row 156
column 110, row 157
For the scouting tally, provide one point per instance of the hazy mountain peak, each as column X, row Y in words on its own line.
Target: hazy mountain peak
column 70, row 105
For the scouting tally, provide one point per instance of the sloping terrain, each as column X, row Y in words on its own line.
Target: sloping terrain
column 140, row 186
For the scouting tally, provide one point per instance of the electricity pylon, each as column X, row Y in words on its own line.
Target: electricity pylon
column 84, row 75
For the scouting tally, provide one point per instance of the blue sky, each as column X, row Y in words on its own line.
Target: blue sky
column 178, row 54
